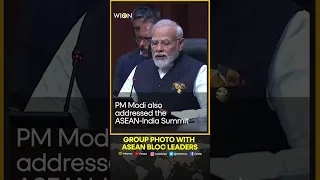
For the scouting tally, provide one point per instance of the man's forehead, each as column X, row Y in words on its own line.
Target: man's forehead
column 160, row 38
column 146, row 29
column 137, row 22
column 147, row 26
column 164, row 33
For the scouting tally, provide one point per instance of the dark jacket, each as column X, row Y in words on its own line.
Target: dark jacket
column 151, row 88
column 124, row 64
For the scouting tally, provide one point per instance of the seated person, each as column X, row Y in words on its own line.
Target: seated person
column 143, row 39
column 174, row 79
column 139, row 14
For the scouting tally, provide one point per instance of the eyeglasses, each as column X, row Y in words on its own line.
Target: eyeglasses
column 165, row 43
column 145, row 39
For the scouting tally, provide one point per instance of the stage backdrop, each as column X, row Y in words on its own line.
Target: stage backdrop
column 191, row 17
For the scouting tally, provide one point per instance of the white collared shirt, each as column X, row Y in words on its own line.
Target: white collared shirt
column 289, row 76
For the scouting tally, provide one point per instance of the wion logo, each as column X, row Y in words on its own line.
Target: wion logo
column 122, row 15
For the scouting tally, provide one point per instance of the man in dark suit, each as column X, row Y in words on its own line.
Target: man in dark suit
column 143, row 39
column 153, row 79
column 138, row 16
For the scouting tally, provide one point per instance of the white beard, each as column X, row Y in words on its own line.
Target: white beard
column 167, row 62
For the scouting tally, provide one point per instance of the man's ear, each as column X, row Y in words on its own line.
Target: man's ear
column 181, row 44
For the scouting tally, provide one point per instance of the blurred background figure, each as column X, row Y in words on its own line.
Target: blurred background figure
column 121, row 73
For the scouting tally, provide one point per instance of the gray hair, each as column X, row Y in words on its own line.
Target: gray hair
column 169, row 23
column 142, row 12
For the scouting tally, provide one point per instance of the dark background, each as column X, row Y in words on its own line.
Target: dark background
column 36, row 28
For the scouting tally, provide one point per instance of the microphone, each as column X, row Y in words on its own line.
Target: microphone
column 133, row 79
column 76, row 57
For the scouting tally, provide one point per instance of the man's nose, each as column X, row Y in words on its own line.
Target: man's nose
column 141, row 43
column 159, row 48
column 144, row 42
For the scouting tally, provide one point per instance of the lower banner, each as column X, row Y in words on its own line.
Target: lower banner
column 159, row 157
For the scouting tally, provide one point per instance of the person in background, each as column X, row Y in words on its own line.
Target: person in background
column 143, row 39
column 139, row 14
